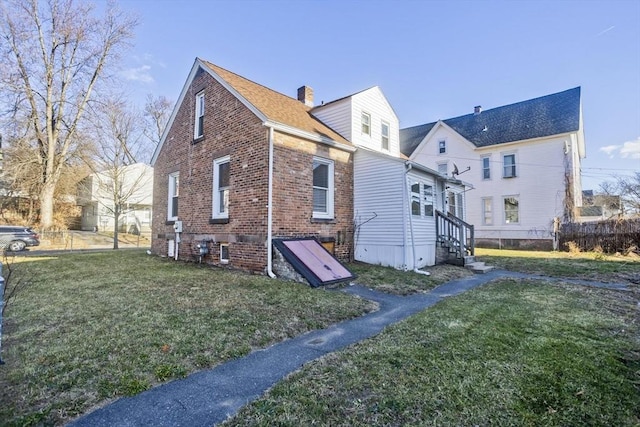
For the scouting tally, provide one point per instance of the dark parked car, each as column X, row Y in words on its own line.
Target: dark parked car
column 14, row 238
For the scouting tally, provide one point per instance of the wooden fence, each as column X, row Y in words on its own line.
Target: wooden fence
column 610, row 236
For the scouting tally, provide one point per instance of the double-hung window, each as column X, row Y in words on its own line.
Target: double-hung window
column 511, row 210
column 509, row 166
column 443, row 168
column 322, row 188
column 487, row 211
column 366, row 123
column 442, row 146
column 384, row 131
column 198, row 128
column 486, row 168
column 174, row 192
column 415, row 199
column 221, row 185
column 427, row 199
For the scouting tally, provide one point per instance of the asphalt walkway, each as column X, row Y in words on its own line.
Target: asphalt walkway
column 210, row 397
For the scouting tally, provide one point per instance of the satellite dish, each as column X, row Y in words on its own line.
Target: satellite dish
column 455, row 170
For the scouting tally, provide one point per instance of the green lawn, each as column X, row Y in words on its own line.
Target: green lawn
column 509, row 353
column 88, row 328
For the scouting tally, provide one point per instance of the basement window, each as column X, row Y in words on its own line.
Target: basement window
column 224, row 253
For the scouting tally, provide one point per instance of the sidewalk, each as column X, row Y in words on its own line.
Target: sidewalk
column 210, row 397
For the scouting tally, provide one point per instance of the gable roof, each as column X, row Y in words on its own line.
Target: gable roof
column 274, row 108
column 548, row 115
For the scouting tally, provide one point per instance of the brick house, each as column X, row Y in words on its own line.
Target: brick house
column 240, row 164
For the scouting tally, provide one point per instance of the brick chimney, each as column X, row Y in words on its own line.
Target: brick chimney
column 477, row 109
column 305, row 95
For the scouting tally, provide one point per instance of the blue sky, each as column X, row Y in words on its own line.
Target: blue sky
column 432, row 59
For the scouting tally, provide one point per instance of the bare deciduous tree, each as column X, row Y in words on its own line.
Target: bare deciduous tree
column 628, row 188
column 54, row 56
column 120, row 182
column 156, row 114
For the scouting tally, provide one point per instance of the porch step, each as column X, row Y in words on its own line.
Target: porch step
column 478, row 267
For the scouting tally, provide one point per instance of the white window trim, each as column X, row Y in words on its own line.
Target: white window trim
column 515, row 165
column 484, row 221
column 362, row 116
column 330, row 190
column 382, row 136
column 482, row 168
column 199, row 112
column 446, row 164
column 504, row 212
column 445, row 146
column 172, row 189
column 216, row 214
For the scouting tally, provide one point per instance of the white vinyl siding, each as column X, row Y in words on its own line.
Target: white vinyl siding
column 443, row 168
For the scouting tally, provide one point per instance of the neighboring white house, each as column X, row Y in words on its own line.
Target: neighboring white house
column 396, row 201
column 523, row 161
column 96, row 196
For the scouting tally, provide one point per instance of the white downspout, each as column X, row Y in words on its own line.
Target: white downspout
column 413, row 243
column 270, row 209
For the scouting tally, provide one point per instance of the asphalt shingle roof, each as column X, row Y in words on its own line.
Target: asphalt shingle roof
column 276, row 106
column 548, row 115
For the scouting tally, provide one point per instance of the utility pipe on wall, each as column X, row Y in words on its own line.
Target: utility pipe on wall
column 270, row 209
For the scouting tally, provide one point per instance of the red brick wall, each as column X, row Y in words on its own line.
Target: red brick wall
column 231, row 129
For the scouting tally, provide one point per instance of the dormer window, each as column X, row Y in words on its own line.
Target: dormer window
column 442, row 146
column 384, row 131
column 198, row 129
column 366, row 123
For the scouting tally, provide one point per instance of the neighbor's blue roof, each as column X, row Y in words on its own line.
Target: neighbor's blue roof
column 548, row 115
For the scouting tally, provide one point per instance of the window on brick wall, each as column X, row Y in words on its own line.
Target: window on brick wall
column 322, row 188
column 174, row 192
column 221, row 186
column 384, row 131
column 224, row 253
column 198, row 128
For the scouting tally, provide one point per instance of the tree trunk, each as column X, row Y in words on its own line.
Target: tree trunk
column 116, row 220
column 46, row 205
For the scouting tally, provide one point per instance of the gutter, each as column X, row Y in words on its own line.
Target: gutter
column 413, row 242
column 270, row 208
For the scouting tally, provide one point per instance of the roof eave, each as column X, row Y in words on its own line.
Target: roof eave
column 309, row 136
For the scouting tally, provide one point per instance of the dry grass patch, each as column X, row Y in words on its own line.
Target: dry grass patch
column 387, row 279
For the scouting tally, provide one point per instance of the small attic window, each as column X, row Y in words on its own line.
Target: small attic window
column 442, row 146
